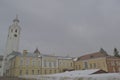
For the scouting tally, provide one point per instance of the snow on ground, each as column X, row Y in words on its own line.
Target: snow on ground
column 77, row 75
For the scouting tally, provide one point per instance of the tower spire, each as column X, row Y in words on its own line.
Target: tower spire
column 16, row 19
column 37, row 52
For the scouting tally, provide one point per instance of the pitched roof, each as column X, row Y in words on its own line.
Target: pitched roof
column 93, row 55
column 37, row 51
column 15, row 53
column 112, row 57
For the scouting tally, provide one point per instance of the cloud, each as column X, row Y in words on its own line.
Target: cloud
column 63, row 26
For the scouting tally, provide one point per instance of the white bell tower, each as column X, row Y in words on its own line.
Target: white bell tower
column 13, row 37
column 12, row 43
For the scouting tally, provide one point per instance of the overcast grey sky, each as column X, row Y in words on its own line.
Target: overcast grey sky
column 63, row 27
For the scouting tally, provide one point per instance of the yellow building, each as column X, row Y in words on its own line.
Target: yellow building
column 49, row 64
column 96, row 63
column 65, row 64
column 23, row 64
column 78, row 64
column 92, row 61
column 36, row 64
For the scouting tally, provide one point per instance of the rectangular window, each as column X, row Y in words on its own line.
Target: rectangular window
column 33, row 63
column 50, row 64
column 44, row 63
column 14, row 63
column 54, row 64
column 50, row 71
column 79, row 67
column 27, row 61
column 55, row 71
column 90, row 65
column 86, row 65
column 21, row 61
column 76, row 66
column 26, row 72
column 39, row 63
column 20, row 72
column 45, row 71
column 33, row 72
column 16, row 30
column 94, row 65
column 38, row 71
column 71, row 64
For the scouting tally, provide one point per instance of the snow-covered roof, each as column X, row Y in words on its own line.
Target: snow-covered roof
column 75, row 59
column 65, row 57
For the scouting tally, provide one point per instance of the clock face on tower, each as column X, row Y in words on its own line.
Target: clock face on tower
column 15, row 35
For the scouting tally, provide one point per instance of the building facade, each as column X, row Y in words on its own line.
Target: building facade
column 65, row 64
column 49, row 64
column 98, row 60
column 36, row 64
column 78, row 64
column 23, row 64
column 113, row 64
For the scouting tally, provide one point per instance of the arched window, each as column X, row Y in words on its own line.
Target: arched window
column 15, row 35
column 16, row 30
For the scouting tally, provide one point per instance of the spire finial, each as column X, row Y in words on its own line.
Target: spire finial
column 16, row 16
column 16, row 19
column 37, row 51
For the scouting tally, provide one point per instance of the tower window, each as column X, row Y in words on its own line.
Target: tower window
column 16, row 30
column 20, row 72
column 15, row 35
column 32, row 71
column 11, row 30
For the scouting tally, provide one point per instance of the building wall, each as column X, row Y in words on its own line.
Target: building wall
column 113, row 64
column 78, row 65
column 65, row 64
column 25, row 66
column 49, row 65
column 109, row 64
column 32, row 65
column 95, row 63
